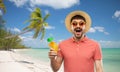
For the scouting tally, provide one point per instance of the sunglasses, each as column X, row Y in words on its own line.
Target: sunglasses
column 78, row 23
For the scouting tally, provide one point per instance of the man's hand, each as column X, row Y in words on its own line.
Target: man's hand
column 56, row 60
column 52, row 54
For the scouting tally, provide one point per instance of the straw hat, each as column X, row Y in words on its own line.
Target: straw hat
column 81, row 13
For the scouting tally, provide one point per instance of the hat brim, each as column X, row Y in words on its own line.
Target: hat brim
column 84, row 14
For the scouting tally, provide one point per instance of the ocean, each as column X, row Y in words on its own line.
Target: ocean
column 111, row 57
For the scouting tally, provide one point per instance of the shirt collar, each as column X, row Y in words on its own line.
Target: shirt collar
column 85, row 38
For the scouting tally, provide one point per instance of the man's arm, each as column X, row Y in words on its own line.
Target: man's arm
column 56, row 60
column 98, row 65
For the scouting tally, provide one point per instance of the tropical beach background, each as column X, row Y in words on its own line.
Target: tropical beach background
column 25, row 26
column 111, row 57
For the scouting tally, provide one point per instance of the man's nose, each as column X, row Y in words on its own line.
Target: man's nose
column 78, row 25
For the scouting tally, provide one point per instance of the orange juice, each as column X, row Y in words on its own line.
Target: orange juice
column 52, row 44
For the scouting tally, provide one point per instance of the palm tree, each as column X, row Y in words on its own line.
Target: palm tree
column 2, row 22
column 37, row 23
column 2, row 6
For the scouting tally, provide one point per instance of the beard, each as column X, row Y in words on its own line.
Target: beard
column 78, row 35
column 78, row 32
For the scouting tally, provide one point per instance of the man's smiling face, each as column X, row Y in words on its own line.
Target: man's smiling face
column 77, row 27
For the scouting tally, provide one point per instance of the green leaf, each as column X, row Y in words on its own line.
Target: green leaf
column 2, row 6
column 43, row 34
column 37, row 23
column 37, row 31
column 37, row 10
column 46, row 17
column 30, row 20
column 45, row 24
column 25, row 28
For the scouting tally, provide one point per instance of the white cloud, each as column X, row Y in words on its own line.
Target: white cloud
column 46, row 12
column 99, row 29
column 26, row 38
column 16, row 30
column 22, row 37
column 92, row 30
column 19, row 3
column 37, row 43
column 34, row 43
column 106, row 33
column 50, row 27
column 1, row 13
column 30, row 9
column 56, row 4
column 117, row 15
column 110, row 44
column 29, row 41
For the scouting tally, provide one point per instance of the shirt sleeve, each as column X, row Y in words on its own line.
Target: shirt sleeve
column 60, row 51
column 97, row 53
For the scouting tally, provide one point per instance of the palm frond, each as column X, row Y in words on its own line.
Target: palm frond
column 38, row 19
column 43, row 33
column 37, row 31
column 46, row 17
column 25, row 28
column 30, row 20
column 2, row 6
column 37, row 23
column 45, row 24
column 37, row 10
column 34, row 15
column 32, row 25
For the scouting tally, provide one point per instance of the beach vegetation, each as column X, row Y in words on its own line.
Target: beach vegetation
column 2, row 11
column 10, row 43
column 10, row 40
column 2, row 6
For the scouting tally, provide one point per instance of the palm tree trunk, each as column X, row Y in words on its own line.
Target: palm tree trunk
column 18, row 34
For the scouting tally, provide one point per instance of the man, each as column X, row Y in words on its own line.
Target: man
column 79, row 53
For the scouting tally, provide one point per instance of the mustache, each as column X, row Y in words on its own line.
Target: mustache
column 78, row 29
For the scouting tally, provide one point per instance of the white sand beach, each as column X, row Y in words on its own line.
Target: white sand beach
column 14, row 62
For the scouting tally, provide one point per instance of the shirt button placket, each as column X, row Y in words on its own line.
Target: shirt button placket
column 78, row 47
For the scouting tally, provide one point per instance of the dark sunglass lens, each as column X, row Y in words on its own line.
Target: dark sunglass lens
column 82, row 23
column 74, row 24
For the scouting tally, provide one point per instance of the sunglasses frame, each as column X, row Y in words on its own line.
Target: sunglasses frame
column 78, row 23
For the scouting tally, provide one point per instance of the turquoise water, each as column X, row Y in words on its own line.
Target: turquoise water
column 111, row 57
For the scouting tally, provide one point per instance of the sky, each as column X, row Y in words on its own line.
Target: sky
column 105, row 15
